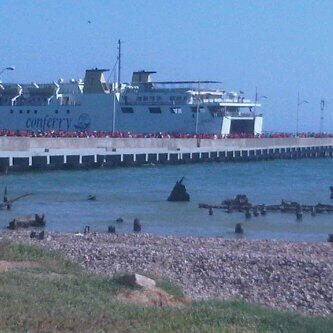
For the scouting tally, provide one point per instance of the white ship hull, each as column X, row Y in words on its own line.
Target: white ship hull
column 94, row 112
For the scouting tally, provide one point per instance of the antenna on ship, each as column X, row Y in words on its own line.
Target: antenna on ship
column 119, row 63
column 322, row 108
column 116, row 91
column 198, row 109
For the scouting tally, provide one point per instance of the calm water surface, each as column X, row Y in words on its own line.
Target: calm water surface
column 142, row 192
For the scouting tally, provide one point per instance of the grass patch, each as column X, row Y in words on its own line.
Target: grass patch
column 79, row 301
column 51, row 260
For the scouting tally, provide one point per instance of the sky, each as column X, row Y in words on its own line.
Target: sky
column 282, row 47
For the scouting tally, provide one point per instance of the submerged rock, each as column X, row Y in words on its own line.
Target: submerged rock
column 247, row 214
column 111, row 229
column 27, row 221
column 240, row 200
column 179, row 192
column 239, row 228
column 136, row 225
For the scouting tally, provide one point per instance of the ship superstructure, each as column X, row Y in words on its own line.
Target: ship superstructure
column 188, row 105
column 142, row 106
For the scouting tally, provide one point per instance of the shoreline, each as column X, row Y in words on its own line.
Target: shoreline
column 285, row 275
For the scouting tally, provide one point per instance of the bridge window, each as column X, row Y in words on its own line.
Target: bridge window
column 155, row 110
column 12, row 111
column 176, row 110
column 28, row 111
column 145, row 98
column 21, row 111
column 127, row 110
column 35, row 111
column 152, row 98
column 68, row 111
column 56, row 111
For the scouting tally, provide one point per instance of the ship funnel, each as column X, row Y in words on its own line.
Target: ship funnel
column 141, row 77
column 94, row 82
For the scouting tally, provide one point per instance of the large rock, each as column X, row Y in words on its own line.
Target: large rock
column 136, row 280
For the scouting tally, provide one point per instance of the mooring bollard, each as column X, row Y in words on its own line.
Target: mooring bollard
column 136, row 225
column 32, row 234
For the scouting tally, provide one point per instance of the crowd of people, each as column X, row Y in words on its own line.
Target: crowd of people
column 118, row 134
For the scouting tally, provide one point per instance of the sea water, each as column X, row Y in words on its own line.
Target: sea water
column 142, row 192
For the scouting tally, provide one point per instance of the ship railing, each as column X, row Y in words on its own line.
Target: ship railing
column 148, row 103
column 225, row 100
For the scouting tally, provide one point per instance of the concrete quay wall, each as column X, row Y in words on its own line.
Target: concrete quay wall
column 26, row 144
column 21, row 153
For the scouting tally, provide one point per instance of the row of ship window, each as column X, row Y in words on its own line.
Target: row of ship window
column 35, row 111
column 159, row 98
column 174, row 110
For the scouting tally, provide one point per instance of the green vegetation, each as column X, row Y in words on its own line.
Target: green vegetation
column 56, row 294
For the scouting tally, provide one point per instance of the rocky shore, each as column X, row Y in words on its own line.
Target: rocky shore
column 285, row 275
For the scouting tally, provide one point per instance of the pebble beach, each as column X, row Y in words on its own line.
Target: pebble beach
column 285, row 275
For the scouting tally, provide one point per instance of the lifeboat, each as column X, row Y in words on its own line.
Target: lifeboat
column 10, row 90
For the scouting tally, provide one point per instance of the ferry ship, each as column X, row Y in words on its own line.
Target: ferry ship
column 141, row 106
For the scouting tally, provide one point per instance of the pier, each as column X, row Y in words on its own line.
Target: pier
column 22, row 153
